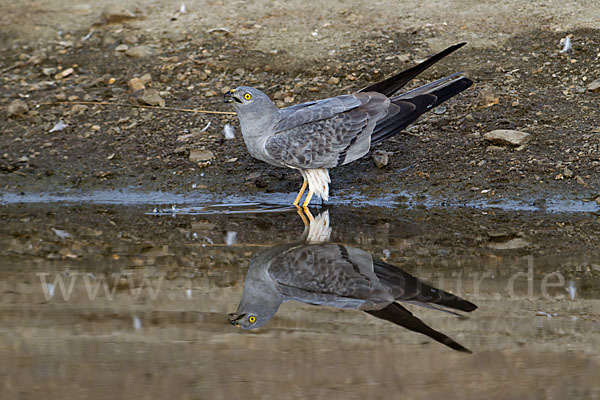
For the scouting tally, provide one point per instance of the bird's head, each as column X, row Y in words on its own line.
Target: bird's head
column 256, row 112
column 247, row 98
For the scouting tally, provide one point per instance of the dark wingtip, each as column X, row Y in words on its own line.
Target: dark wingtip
column 454, row 47
column 468, row 82
column 394, row 83
column 462, row 349
column 400, row 316
column 455, row 346
column 455, row 302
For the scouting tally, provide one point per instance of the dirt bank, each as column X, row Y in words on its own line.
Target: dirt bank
column 522, row 81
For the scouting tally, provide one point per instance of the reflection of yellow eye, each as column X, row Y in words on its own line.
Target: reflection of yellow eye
column 248, row 96
column 252, row 319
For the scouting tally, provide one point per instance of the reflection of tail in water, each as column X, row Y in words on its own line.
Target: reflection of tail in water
column 399, row 315
column 409, row 289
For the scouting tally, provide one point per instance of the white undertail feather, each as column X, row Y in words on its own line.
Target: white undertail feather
column 319, row 230
column 318, row 181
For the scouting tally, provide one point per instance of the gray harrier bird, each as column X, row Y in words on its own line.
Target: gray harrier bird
column 315, row 136
column 320, row 273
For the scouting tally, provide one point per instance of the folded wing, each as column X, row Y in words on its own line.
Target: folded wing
column 327, row 134
column 329, row 274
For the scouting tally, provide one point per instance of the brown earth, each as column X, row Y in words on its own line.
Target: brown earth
column 522, row 81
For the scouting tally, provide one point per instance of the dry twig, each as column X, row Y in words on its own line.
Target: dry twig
column 107, row 103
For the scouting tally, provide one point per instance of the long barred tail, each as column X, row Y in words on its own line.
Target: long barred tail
column 406, row 108
column 409, row 106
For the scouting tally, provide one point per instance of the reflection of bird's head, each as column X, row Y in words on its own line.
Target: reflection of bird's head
column 247, row 320
column 261, row 298
column 255, row 309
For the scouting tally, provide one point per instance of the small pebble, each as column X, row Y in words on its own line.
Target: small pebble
column 64, row 73
column 594, row 86
column 17, row 108
column 381, row 158
column 507, row 137
column 201, row 155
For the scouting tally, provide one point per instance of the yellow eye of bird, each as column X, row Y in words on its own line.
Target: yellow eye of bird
column 248, row 96
column 253, row 318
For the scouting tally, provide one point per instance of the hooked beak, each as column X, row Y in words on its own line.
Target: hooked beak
column 230, row 97
column 234, row 319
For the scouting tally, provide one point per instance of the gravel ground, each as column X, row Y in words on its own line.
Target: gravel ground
column 187, row 60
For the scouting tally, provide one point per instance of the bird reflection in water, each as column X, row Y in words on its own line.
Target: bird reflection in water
column 316, row 272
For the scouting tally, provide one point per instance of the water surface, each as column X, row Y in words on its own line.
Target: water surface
column 113, row 300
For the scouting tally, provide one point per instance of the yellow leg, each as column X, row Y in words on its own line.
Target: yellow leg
column 301, row 214
column 308, row 197
column 308, row 214
column 302, row 189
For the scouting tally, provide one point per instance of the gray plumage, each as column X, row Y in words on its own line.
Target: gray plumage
column 337, row 276
column 315, row 136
